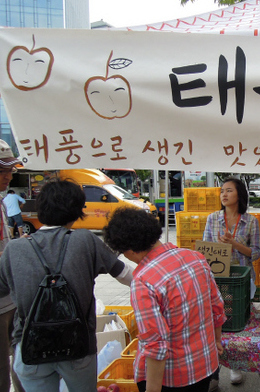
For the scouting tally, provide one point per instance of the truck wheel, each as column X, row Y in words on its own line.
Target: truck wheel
column 28, row 228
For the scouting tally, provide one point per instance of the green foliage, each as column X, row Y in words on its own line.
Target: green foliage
column 248, row 177
column 222, row 176
column 143, row 174
column 254, row 202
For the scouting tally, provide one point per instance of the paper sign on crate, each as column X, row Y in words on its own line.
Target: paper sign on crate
column 218, row 256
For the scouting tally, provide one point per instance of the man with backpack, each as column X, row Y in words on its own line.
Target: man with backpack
column 58, row 205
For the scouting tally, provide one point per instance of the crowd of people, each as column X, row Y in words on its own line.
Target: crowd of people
column 178, row 307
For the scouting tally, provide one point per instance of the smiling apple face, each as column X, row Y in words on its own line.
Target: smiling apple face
column 109, row 97
column 29, row 69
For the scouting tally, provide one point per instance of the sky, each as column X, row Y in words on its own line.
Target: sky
column 122, row 13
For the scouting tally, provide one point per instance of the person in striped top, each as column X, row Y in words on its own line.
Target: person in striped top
column 178, row 308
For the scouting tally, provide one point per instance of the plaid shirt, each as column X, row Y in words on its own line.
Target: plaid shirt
column 5, row 235
column 247, row 233
column 176, row 304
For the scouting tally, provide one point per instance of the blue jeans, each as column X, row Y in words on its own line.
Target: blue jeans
column 15, row 219
column 79, row 375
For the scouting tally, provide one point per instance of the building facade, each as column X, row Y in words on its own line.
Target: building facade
column 27, row 13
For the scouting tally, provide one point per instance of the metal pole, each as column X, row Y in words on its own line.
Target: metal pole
column 166, row 206
column 210, row 179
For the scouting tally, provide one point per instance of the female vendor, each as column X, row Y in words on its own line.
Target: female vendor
column 233, row 225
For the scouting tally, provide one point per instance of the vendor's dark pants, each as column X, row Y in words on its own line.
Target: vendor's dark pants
column 215, row 375
column 201, row 386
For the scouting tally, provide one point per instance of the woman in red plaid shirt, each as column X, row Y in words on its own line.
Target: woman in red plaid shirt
column 178, row 308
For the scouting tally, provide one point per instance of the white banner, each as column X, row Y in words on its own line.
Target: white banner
column 82, row 98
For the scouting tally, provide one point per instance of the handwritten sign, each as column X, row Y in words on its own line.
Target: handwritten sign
column 148, row 100
column 218, row 256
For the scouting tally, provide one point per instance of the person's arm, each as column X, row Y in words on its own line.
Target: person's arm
column 253, row 250
column 218, row 339
column 122, row 272
column 106, row 262
column 4, row 288
column 208, row 235
column 21, row 201
column 126, row 276
column 154, row 374
column 227, row 238
column 154, row 333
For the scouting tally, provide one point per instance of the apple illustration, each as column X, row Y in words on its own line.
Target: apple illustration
column 29, row 69
column 109, row 97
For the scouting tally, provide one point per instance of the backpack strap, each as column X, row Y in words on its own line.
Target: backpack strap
column 42, row 258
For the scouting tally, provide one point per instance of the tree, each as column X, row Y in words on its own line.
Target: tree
column 248, row 177
column 219, row 2
column 143, row 174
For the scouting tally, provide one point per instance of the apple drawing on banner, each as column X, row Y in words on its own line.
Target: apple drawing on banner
column 29, row 69
column 110, row 96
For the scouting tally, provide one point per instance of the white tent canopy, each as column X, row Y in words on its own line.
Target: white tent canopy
column 242, row 18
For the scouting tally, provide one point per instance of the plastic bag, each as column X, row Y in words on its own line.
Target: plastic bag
column 252, row 289
column 100, row 307
column 63, row 386
column 111, row 351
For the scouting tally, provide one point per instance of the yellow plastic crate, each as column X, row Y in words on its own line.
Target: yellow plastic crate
column 187, row 242
column 202, row 199
column 130, row 350
column 127, row 315
column 256, row 265
column 191, row 224
column 120, row 369
column 124, row 386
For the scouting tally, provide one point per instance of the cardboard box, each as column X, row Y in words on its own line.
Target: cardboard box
column 121, row 335
column 218, row 256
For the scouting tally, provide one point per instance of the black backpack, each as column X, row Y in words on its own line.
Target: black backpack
column 55, row 328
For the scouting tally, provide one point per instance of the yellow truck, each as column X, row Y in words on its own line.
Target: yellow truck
column 103, row 196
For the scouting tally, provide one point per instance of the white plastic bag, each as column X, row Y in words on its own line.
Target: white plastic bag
column 111, row 351
column 63, row 386
column 100, row 307
column 252, row 289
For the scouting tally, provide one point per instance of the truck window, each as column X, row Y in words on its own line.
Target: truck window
column 93, row 193
column 124, row 178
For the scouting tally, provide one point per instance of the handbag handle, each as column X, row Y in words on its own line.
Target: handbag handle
column 42, row 258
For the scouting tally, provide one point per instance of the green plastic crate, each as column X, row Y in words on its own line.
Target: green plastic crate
column 235, row 291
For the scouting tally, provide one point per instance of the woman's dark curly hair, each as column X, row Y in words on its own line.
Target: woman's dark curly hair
column 132, row 229
column 241, row 193
column 60, row 202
